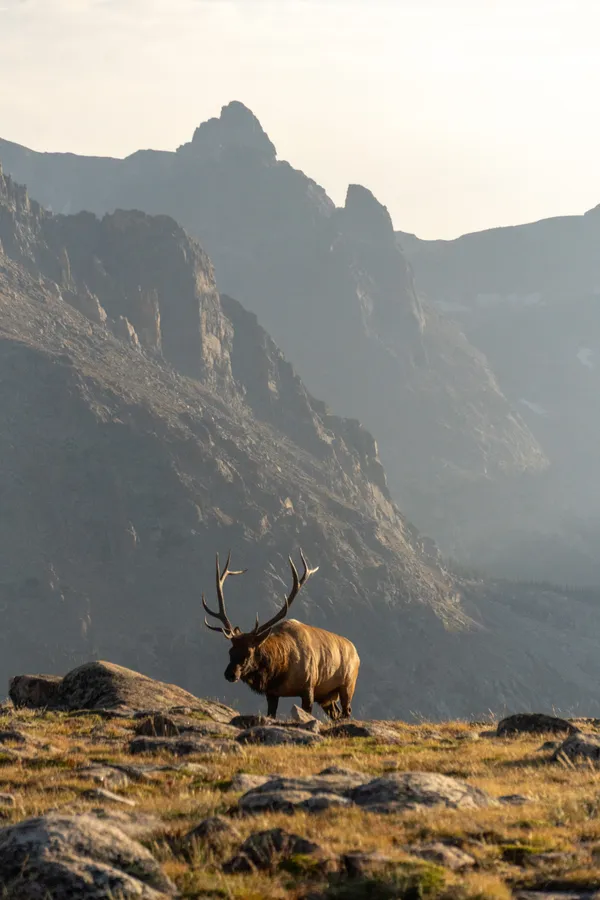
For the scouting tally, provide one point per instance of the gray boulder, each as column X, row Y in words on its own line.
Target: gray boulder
column 181, row 746
column 446, row 855
column 383, row 734
column 34, row 691
column 77, row 857
column 268, row 849
column 579, row 746
column 272, row 735
column 533, row 723
column 410, row 790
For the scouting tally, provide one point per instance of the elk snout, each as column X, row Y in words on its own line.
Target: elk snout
column 233, row 672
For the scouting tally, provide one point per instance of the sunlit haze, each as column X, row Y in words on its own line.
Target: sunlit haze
column 458, row 115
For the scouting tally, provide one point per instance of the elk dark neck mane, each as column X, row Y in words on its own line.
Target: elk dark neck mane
column 272, row 660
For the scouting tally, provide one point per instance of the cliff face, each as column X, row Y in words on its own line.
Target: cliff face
column 528, row 297
column 337, row 294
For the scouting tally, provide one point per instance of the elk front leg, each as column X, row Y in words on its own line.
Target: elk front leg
column 307, row 701
column 272, row 704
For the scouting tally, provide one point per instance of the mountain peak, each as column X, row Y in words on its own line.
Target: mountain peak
column 236, row 127
column 366, row 214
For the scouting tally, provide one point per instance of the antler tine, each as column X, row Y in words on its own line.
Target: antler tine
column 297, row 584
column 221, row 615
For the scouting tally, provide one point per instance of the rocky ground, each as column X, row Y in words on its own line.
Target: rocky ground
column 195, row 801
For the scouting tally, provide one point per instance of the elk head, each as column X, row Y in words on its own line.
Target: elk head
column 242, row 655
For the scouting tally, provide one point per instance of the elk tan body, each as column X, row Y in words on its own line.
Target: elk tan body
column 289, row 659
column 298, row 660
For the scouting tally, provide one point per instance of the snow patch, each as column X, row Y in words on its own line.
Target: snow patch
column 534, row 407
column 585, row 357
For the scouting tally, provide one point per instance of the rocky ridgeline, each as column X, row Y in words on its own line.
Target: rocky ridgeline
column 97, row 847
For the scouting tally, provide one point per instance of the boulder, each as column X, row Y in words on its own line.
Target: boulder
column 446, row 855
column 272, row 735
column 160, row 725
column 33, row 691
column 181, row 746
column 533, row 723
column 268, row 849
column 299, row 715
column 579, row 746
column 13, row 737
column 410, row 790
column 383, row 734
column 108, row 686
column 79, row 857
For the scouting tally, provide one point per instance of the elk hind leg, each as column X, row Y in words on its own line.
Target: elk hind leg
column 307, row 701
column 330, row 706
column 346, row 694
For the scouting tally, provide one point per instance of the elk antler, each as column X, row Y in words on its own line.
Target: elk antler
column 262, row 630
column 228, row 628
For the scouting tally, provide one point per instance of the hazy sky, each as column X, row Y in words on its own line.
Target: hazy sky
column 458, row 114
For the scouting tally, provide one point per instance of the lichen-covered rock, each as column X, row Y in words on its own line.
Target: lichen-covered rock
column 77, row 857
column 107, row 796
column 533, row 723
column 579, row 746
column 358, row 864
column 272, row 735
column 409, row 790
column 249, row 720
column 33, row 691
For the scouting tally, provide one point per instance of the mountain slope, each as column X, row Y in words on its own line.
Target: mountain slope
column 337, row 294
column 120, row 476
column 528, row 297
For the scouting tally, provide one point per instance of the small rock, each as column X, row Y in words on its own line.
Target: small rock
column 241, row 781
column 579, row 746
column 339, row 770
column 272, row 735
column 444, row 855
column 533, row 723
column 514, row 799
column 108, row 796
column 267, row 849
column 251, row 721
column 213, row 831
column 8, row 800
column 157, row 725
column 383, row 734
column 297, row 714
column 410, row 790
column 106, row 775
column 179, row 746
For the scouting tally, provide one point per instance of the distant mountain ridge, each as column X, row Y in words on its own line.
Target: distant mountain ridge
column 338, row 295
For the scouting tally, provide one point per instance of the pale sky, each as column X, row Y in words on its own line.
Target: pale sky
column 457, row 114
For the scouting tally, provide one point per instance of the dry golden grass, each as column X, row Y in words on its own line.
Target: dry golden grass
column 552, row 841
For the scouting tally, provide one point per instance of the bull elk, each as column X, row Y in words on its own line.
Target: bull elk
column 287, row 658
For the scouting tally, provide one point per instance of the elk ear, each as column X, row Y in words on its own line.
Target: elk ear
column 237, row 631
column 260, row 640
